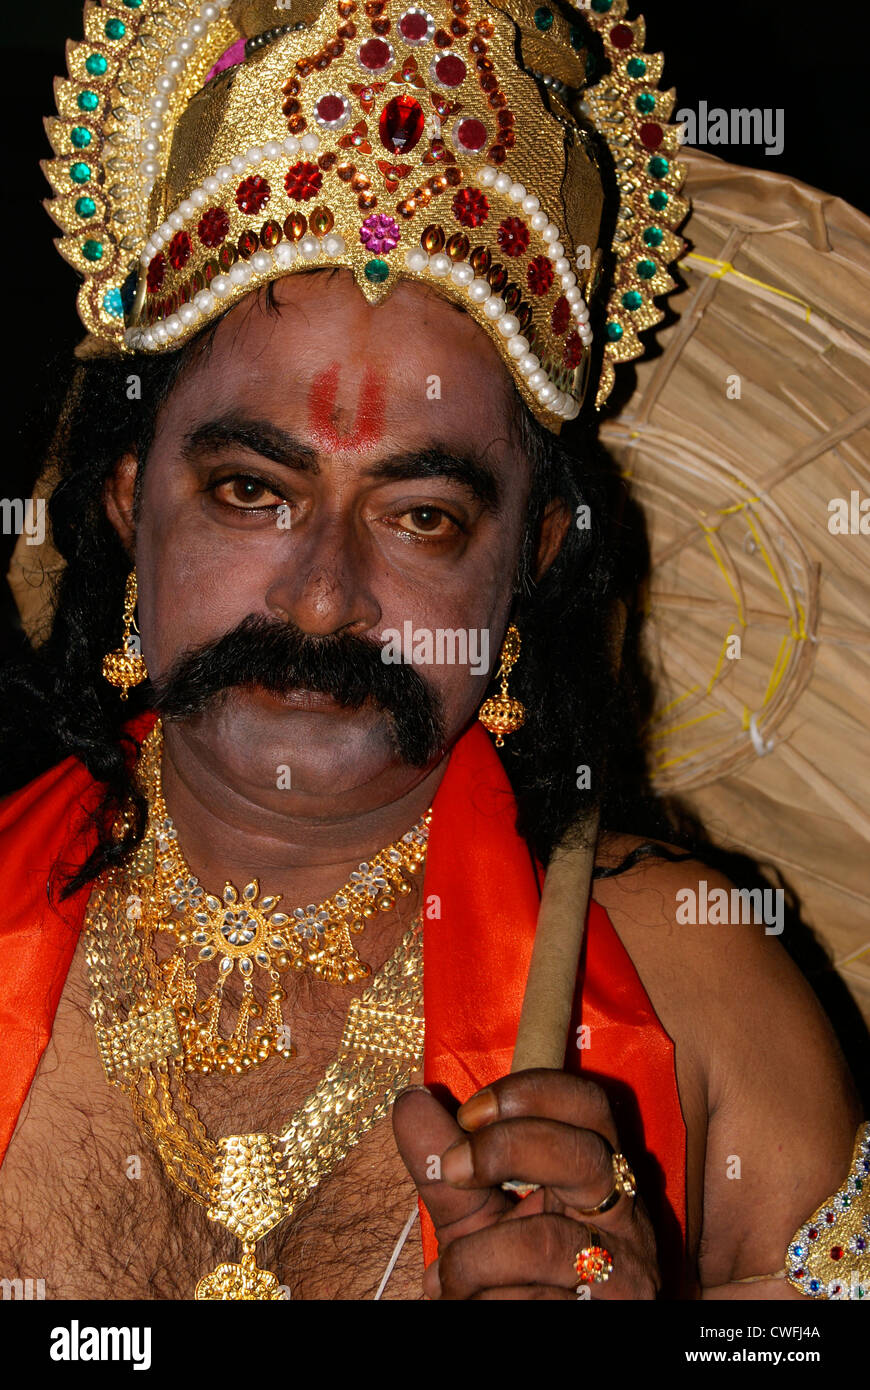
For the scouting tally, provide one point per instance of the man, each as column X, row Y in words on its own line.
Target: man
column 294, row 502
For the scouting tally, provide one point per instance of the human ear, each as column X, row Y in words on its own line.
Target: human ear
column 119, row 499
column 554, row 526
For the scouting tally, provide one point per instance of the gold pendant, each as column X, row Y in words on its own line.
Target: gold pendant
column 240, row 1281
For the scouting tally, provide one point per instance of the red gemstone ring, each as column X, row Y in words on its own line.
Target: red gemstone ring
column 593, row 1264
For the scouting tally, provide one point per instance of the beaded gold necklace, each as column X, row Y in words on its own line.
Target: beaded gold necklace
column 144, row 1014
column 245, row 932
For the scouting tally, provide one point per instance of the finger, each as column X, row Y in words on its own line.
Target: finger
column 575, row 1164
column 423, row 1130
column 538, row 1250
column 552, row 1095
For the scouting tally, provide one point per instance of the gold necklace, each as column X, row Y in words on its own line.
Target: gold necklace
column 249, row 1183
column 244, row 931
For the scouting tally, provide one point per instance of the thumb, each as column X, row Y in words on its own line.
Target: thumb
column 424, row 1130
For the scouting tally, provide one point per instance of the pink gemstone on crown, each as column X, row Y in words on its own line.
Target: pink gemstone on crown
column 469, row 134
column 416, row 26
column 447, row 69
column 379, row 234
column 375, row 55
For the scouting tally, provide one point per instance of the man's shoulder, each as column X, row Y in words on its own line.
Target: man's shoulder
column 711, row 957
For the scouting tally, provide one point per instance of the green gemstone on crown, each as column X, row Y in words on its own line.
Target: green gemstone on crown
column 115, row 29
column 653, row 236
column 96, row 64
column 646, row 269
column 601, row 6
column 645, row 103
column 87, row 100
column 658, row 199
column 632, row 300
column 80, row 136
column 85, row 207
column 614, row 331
column 92, row 250
column 636, row 67
column 658, row 166
column 376, row 270
column 575, row 35
column 543, row 18
column 80, row 173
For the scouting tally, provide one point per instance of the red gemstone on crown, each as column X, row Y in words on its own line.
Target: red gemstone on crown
column 471, row 134
column 812, row 1233
column 330, row 108
column 470, row 207
column 573, row 350
column 401, row 124
column 213, row 226
column 621, row 36
column 540, row 275
column 253, row 194
column 413, row 26
column 179, row 250
column 561, row 315
column 650, row 135
column 837, row 1252
column 303, row 180
column 449, row 70
column 375, row 54
column 513, row 236
column 156, row 273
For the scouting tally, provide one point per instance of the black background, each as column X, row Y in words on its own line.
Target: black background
column 810, row 61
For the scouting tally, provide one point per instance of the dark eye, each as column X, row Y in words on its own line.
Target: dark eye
column 427, row 521
column 245, row 493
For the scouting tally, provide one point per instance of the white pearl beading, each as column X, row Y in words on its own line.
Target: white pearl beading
column 311, row 248
column 166, row 82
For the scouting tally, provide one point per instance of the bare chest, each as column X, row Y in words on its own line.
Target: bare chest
column 86, row 1206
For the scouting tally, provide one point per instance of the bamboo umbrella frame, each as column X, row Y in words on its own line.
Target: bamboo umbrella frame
column 749, row 422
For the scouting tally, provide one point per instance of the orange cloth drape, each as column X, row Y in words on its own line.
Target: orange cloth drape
column 481, row 894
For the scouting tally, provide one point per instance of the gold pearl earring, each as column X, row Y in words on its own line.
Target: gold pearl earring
column 502, row 714
column 126, row 667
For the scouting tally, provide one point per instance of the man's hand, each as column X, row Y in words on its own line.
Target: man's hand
column 541, row 1127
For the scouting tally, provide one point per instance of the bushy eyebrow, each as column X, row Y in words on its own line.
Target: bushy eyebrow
column 259, row 436
column 467, row 469
column 290, row 451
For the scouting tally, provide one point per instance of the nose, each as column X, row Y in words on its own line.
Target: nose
column 324, row 586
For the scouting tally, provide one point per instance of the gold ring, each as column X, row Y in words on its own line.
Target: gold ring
column 623, row 1182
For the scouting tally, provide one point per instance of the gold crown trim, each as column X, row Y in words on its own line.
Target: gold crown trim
column 132, row 82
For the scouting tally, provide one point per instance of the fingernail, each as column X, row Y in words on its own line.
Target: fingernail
column 457, row 1165
column 408, row 1089
column 480, row 1110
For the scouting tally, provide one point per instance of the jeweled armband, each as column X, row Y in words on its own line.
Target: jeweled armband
column 829, row 1257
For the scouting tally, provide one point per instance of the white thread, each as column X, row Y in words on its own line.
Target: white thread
column 761, row 745
column 406, row 1231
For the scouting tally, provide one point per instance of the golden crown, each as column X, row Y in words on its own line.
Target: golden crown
column 202, row 150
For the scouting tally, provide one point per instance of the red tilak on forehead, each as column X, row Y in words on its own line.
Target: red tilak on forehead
column 369, row 419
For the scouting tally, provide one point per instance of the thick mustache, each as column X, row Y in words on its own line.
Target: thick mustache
column 280, row 657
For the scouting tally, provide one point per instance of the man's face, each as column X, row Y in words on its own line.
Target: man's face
column 346, row 469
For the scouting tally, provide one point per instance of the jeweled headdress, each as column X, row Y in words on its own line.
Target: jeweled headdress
column 203, row 150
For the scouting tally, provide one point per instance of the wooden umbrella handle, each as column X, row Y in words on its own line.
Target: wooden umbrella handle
column 552, row 979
